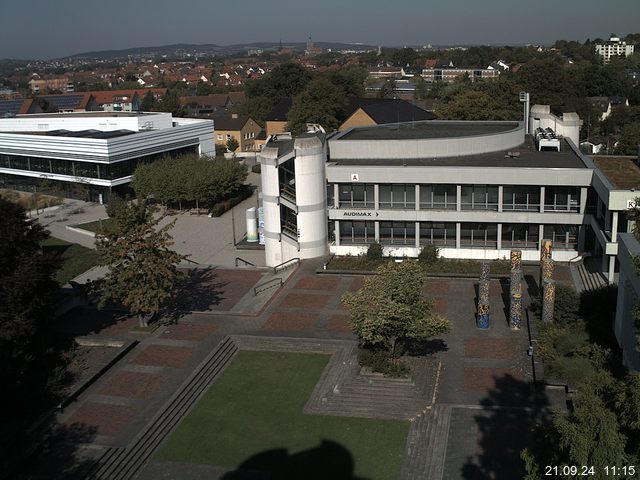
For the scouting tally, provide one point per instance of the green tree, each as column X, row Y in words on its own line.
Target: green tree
column 320, row 102
column 232, row 144
column 390, row 308
column 171, row 103
column 388, row 89
column 143, row 271
column 629, row 142
column 149, row 103
column 472, row 105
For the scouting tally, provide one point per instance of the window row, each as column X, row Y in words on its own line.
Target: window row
column 112, row 171
column 472, row 235
column 444, row 197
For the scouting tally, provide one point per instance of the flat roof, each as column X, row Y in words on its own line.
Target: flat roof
column 88, row 114
column 622, row 172
column 427, row 130
column 524, row 156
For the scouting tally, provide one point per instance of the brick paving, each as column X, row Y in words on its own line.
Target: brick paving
column 163, row 355
column 132, row 384
column 106, row 419
column 479, row 367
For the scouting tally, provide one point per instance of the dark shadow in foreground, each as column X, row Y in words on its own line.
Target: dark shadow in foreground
column 329, row 460
column 511, row 410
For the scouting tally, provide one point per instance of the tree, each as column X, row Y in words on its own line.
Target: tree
column 27, row 297
column 232, row 144
column 149, row 103
column 320, row 102
column 388, row 89
column 629, row 142
column 472, row 105
column 143, row 271
column 390, row 308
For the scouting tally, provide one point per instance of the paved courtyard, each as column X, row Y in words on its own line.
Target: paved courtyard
column 483, row 389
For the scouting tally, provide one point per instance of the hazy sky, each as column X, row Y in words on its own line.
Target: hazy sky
column 55, row 28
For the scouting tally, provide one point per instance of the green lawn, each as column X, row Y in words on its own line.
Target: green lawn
column 255, row 407
column 76, row 259
column 95, row 226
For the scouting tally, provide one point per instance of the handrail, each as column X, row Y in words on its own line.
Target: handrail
column 285, row 265
column 243, row 261
column 274, row 282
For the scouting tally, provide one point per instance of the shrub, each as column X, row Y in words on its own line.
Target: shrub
column 429, row 254
column 380, row 361
column 374, row 252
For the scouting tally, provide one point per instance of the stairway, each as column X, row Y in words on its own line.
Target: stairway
column 124, row 463
column 588, row 275
column 427, row 445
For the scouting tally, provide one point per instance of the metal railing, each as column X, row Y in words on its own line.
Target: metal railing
column 238, row 259
column 274, row 282
column 285, row 265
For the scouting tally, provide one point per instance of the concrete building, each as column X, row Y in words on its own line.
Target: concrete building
column 625, row 327
column 614, row 47
column 90, row 155
column 474, row 189
column 241, row 127
column 450, row 74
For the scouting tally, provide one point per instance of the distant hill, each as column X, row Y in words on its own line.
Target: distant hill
column 208, row 49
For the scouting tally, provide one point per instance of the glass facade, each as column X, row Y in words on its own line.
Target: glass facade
column 356, row 195
column 563, row 237
column 438, row 197
column 562, row 199
column 398, row 233
column 397, row 196
column 521, row 198
column 520, row 236
column 479, row 197
column 103, row 171
column 478, row 235
column 441, row 234
column 357, row 233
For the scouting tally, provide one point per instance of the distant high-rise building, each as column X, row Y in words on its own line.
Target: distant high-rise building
column 614, row 47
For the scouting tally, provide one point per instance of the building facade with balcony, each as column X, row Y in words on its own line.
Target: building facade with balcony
column 91, row 155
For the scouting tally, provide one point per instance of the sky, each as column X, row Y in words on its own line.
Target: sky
column 44, row 29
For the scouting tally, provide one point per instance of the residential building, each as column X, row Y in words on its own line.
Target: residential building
column 211, row 105
column 71, row 102
column 93, row 154
column 451, row 73
column 614, row 47
column 362, row 112
column 39, row 85
column 606, row 105
column 276, row 121
column 241, row 127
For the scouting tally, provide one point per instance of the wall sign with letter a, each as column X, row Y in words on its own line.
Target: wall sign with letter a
column 355, row 177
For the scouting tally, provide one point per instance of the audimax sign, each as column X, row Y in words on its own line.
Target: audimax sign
column 359, row 214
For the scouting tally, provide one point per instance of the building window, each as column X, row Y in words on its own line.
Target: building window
column 562, row 199
column 289, row 221
column 397, row 196
column 441, row 234
column 563, row 237
column 478, row 235
column 357, row 233
column 438, row 197
column 520, row 235
column 479, row 197
column 356, row 195
column 521, row 198
column 398, row 233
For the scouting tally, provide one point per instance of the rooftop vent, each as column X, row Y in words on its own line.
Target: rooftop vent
column 547, row 138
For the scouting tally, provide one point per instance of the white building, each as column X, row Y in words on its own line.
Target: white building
column 96, row 150
column 614, row 47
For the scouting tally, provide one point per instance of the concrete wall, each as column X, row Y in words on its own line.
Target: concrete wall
column 628, row 297
column 270, row 193
column 429, row 147
column 568, row 125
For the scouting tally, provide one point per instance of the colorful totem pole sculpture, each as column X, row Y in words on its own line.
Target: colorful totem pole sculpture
column 548, row 299
column 483, row 297
column 515, row 294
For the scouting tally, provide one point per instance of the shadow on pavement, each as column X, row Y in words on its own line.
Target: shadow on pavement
column 329, row 460
column 504, row 432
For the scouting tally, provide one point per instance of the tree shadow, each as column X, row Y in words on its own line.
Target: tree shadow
column 329, row 460
column 58, row 455
column 510, row 412
column 421, row 348
column 200, row 290
column 86, row 320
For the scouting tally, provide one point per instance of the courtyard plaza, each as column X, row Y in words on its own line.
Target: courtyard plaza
column 468, row 406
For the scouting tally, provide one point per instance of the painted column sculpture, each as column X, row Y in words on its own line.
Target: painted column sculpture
column 485, row 268
column 516, row 260
column 515, row 296
column 483, row 305
column 548, row 299
column 545, row 253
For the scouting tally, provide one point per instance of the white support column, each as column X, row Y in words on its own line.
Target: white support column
column 499, row 235
column 500, row 199
column 583, row 200
column 377, row 231
column 582, row 232
column 417, row 234
column 614, row 227
column 376, row 201
column 540, row 236
column 612, row 268
column 458, row 228
column 336, row 232
column 336, row 195
column 458, row 199
column 542, row 193
column 417, row 194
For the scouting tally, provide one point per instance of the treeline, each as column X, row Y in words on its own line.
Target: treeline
column 190, row 179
